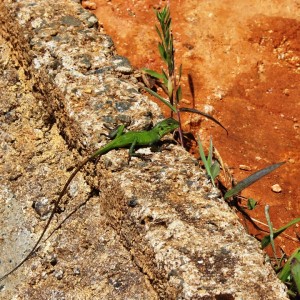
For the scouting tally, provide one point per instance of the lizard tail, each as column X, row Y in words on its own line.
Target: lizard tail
column 56, row 204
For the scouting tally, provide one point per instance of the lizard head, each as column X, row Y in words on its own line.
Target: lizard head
column 166, row 126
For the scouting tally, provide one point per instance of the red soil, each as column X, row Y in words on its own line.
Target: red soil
column 245, row 63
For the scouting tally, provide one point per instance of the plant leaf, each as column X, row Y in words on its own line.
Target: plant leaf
column 165, row 77
column 270, row 225
column 210, row 153
column 251, row 179
column 203, row 158
column 153, row 73
column 286, row 270
column 266, row 240
column 159, row 33
column 215, row 170
column 196, row 111
column 201, row 151
column 295, row 270
column 162, row 52
column 251, row 203
column 160, row 98
column 178, row 94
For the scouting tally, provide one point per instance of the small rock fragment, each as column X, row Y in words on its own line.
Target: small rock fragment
column 185, row 101
column 92, row 21
column 76, row 271
column 59, row 274
column 209, row 109
column 122, row 64
column 42, row 207
column 245, row 167
column 89, row 5
column 286, row 92
column 276, row 188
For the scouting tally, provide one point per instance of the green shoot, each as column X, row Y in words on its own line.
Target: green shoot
column 250, row 180
column 267, row 239
column 251, row 203
column 270, row 225
column 212, row 168
column 290, row 272
column 295, row 270
column 168, row 80
column 286, row 270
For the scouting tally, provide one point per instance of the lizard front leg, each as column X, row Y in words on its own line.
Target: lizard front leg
column 133, row 153
column 132, row 150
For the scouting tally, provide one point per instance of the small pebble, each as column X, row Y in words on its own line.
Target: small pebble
column 185, row 101
column 276, row 188
column 42, row 207
column 89, row 5
column 76, row 271
column 88, row 91
column 286, row 92
column 208, row 109
column 245, row 168
column 59, row 274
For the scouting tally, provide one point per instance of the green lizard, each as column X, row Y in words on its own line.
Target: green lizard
column 131, row 139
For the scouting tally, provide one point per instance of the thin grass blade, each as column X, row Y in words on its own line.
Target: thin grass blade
column 295, row 270
column 286, row 270
column 165, row 77
column 178, row 94
column 162, row 52
column 159, row 33
column 203, row 158
column 266, row 240
column 215, row 170
column 251, row 179
column 270, row 225
column 210, row 153
column 153, row 73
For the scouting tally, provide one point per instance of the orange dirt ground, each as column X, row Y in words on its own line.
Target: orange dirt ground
column 245, row 63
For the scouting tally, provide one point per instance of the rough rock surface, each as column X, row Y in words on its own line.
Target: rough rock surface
column 152, row 229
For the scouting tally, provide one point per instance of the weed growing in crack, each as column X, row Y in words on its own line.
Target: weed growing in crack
column 288, row 269
column 212, row 167
column 168, row 80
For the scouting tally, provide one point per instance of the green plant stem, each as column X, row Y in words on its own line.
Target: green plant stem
column 180, row 129
column 270, row 225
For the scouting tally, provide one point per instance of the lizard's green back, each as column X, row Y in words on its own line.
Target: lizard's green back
column 139, row 138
